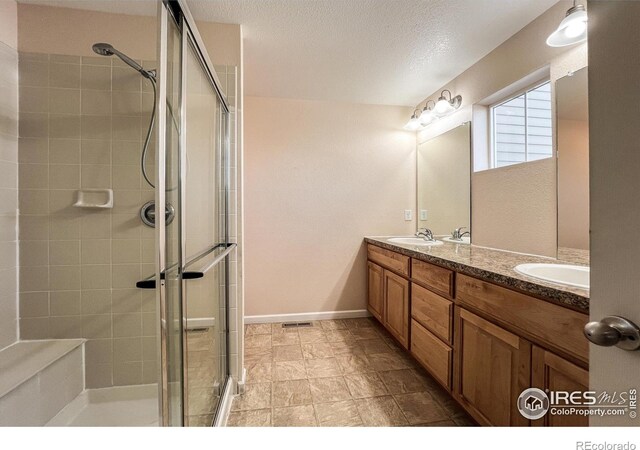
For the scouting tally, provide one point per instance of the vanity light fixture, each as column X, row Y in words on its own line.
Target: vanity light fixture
column 427, row 116
column 444, row 106
column 414, row 123
column 572, row 29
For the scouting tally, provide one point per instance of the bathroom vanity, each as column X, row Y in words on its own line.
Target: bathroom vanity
column 481, row 329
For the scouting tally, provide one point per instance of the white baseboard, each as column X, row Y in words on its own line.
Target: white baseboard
column 305, row 317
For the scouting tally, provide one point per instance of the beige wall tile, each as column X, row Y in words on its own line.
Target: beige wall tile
column 127, row 103
column 125, row 79
column 64, row 253
column 34, row 125
column 96, row 127
column 94, row 77
column 34, row 201
column 95, row 151
column 64, row 227
column 95, row 176
column 96, row 251
column 33, row 150
column 64, row 101
column 32, row 253
column 64, row 75
column 64, row 303
column 97, row 301
column 34, row 304
column 96, row 102
column 96, row 276
column 64, row 126
column 96, row 326
column 61, row 202
column 34, row 99
column 64, row 151
column 34, row 73
column 64, row 278
column 34, row 328
column 64, row 176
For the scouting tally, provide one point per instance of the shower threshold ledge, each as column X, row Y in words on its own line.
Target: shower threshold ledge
column 117, row 406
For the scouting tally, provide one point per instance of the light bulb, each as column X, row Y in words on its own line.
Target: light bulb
column 575, row 29
column 426, row 117
column 413, row 124
column 443, row 107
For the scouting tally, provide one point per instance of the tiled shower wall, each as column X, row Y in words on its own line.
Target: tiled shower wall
column 82, row 123
column 8, row 193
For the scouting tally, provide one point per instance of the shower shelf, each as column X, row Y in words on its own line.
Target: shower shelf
column 94, row 198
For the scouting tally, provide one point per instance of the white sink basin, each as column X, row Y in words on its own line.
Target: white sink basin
column 577, row 276
column 465, row 240
column 414, row 241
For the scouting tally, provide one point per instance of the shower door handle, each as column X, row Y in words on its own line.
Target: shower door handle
column 150, row 283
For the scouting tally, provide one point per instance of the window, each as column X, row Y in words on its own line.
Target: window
column 521, row 127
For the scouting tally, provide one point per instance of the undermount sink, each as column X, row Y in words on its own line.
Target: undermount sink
column 569, row 275
column 414, row 241
column 465, row 240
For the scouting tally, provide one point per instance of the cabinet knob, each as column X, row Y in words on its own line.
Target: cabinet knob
column 614, row 330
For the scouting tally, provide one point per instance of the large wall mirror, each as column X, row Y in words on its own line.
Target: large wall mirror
column 573, row 161
column 444, row 181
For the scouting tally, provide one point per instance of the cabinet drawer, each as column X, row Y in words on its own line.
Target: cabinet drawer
column 554, row 325
column 432, row 311
column 391, row 260
column 434, row 277
column 432, row 353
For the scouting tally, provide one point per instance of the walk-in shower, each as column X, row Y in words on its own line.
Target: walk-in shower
column 123, row 315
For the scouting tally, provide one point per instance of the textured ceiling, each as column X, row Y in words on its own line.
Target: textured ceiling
column 392, row 52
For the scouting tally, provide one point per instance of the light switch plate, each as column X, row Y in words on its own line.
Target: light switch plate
column 423, row 214
column 408, row 214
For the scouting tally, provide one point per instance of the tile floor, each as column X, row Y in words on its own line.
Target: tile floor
column 337, row 373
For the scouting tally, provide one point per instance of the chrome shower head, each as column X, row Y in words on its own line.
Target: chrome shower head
column 105, row 49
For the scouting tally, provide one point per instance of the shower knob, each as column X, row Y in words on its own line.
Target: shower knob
column 614, row 330
column 148, row 214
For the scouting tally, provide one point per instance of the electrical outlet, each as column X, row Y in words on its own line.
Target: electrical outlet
column 423, row 214
column 408, row 214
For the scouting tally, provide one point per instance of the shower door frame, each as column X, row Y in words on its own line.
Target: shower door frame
column 178, row 12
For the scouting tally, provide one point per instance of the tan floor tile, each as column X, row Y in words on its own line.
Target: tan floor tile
column 338, row 414
column 354, row 364
column 291, row 393
column 255, row 418
column 364, row 333
column 200, row 421
column 317, row 350
column 257, row 328
column 464, row 421
column 257, row 341
column 289, row 370
column 287, row 353
column 328, row 325
column 339, row 336
column 257, row 355
column 372, row 346
column 256, row 396
column 380, row 412
column 420, row 407
column 359, row 323
column 363, row 385
column 311, row 335
column 285, row 339
column 322, row 368
column 444, row 423
column 402, row 381
column 325, row 390
column 346, row 348
column 259, row 372
column 296, row 416
column 388, row 361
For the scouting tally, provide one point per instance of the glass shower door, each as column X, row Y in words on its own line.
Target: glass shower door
column 193, row 248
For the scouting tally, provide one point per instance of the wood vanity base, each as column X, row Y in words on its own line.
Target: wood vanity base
column 482, row 342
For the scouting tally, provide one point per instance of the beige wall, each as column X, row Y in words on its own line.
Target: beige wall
column 573, row 184
column 8, row 174
column 319, row 177
column 522, row 54
column 614, row 164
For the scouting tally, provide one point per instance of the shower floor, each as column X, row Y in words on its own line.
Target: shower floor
column 122, row 406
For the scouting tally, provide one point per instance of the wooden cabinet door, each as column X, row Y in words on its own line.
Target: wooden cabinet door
column 550, row 371
column 396, row 311
column 376, row 291
column 492, row 368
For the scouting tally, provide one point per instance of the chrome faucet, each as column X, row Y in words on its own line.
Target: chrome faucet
column 457, row 234
column 426, row 234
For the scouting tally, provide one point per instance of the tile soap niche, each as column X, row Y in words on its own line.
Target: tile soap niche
column 94, row 198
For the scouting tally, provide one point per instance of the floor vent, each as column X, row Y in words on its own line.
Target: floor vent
column 296, row 324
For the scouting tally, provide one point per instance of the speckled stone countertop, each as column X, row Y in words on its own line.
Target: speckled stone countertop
column 497, row 266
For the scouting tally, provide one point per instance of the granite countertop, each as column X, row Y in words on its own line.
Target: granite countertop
column 497, row 266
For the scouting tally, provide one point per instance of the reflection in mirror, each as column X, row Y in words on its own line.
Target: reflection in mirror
column 444, row 181
column 573, row 162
